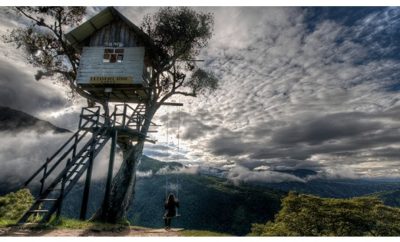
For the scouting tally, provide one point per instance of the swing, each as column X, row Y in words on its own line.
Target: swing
column 169, row 188
column 174, row 191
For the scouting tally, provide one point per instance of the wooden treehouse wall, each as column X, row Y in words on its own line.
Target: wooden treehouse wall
column 92, row 65
column 116, row 32
column 115, row 35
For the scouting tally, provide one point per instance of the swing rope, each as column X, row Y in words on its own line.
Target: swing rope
column 178, row 158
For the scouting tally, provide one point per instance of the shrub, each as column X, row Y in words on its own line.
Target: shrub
column 13, row 205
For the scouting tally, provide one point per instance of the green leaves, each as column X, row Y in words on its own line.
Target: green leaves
column 306, row 215
column 179, row 32
column 43, row 40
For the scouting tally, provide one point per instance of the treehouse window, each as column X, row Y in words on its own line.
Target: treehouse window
column 112, row 55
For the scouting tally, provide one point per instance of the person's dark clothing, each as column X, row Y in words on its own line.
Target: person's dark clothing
column 170, row 210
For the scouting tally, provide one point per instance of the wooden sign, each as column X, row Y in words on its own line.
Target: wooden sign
column 111, row 80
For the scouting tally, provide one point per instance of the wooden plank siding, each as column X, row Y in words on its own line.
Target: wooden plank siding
column 115, row 32
column 92, row 65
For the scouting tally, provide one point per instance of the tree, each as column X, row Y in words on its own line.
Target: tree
column 175, row 37
column 44, row 44
column 306, row 215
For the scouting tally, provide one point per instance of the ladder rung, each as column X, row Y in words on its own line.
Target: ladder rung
column 38, row 211
column 55, row 189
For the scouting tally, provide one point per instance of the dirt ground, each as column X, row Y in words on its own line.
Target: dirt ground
column 17, row 231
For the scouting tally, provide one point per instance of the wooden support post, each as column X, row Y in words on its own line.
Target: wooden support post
column 86, row 190
column 44, row 177
column 61, row 197
column 75, row 144
column 110, row 166
column 123, row 116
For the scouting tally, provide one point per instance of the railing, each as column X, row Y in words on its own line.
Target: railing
column 123, row 116
column 77, row 155
column 127, row 117
column 89, row 119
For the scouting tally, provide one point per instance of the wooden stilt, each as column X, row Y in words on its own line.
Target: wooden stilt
column 110, row 166
column 86, row 190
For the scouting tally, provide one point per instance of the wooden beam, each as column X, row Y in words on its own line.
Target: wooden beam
column 172, row 104
column 151, row 141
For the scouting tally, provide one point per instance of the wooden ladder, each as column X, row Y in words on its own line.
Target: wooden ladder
column 77, row 160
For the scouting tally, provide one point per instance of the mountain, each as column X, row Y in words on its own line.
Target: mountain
column 335, row 188
column 214, row 203
column 14, row 120
column 149, row 164
column 206, row 203
column 301, row 173
column 390, row 198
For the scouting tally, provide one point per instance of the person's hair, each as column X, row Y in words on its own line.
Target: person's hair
column 171, row 198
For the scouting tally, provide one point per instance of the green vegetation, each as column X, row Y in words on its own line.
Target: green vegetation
column 13, row 206
column 67, row 223
column 153, row 165
column 390, row 198
column 306, row 215
column 207, row 203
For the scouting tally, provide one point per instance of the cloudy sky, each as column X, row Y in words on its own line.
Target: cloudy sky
column 310, row 88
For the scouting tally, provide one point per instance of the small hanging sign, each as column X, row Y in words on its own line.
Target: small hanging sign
column 111, row 80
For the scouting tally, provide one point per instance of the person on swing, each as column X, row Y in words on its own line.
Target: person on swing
column 170, row 210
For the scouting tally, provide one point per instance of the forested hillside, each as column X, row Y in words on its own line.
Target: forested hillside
column 306, row 215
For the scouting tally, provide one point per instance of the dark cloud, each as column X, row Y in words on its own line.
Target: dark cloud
column 189, row 125
column 227, row 143
column 322, row 129
column 20, row 91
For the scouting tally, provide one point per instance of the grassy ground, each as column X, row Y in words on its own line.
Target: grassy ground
column 6, row 223
column 101, row 229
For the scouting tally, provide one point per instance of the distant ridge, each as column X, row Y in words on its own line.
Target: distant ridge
column 14, row 120
column 302, row 173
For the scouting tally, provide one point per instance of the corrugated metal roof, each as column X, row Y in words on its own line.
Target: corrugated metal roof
column 76, row 36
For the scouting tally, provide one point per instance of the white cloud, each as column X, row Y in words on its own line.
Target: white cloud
column 241, row 174
column 277, row 75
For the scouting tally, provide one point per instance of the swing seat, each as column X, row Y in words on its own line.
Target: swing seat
column 177, row 215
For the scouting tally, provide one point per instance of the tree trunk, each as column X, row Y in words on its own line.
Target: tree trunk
column 123, row 184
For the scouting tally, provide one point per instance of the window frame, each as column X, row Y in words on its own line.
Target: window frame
column 113, row 55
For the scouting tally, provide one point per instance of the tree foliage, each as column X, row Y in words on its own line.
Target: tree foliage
column 42, row 39
column 177, row 36
column 306, row 215
column 174, row 38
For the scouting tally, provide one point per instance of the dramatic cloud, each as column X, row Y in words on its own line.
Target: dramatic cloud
column 317, row 86
column 19, row 90
column 301, row 88
column 241, row 174
column 24, row 152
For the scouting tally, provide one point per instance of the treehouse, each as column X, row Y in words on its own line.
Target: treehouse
column 114, row 65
